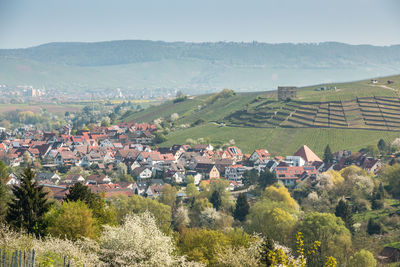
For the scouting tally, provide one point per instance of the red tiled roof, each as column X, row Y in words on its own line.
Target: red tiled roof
column 307, row 154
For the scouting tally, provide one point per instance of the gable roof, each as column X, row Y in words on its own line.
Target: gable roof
column 307, row 154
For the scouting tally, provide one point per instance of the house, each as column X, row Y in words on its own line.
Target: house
column 125, row 154
column 235, row 153
column 307, row 154
column 154, row 191
column 98, row 179
column 371, row 165
column 235, row 172
column 140, row 187
column 175, row 176
column 65, row 157
column 48, row 176
column 295, row 161
column 106, row 143
column 290, row 175
column 196, row 159
column 58, row 192
column 91, row 158
column 209, row 171
column 12, row 180
column 270, row 165
column 259, row 156
column 74, row 178
column 202, row 147
column 142, row 173
column 233, row 185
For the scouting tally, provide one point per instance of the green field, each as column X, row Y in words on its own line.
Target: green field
column 283, row 141
column 258, row 120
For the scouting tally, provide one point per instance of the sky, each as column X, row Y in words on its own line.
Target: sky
column 26, row 23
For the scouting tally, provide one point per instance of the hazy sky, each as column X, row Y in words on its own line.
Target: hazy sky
column 25, row 23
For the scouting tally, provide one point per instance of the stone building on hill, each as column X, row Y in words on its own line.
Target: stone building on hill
column 285, row 92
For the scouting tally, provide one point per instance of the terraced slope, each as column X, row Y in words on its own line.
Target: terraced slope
column 351, row 117
column 369, row 113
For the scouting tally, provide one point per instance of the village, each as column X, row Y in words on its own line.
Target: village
column 122, row 159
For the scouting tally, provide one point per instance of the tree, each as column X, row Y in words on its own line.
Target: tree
column 73, row 221
column 331, row 231
column 104, row 214
column 80, row 192
column 202, row 245
column 191, row 191
column 137, row 204
column 328, row 157
column 267, row 178
column 372, row 151
column 242, row 207
column 4, row 196
column 344, row 211
column 391, row 177
column 138, row 242
column 180, row 218
column 168, row 195
column 362, row 258
column 382, row 146
column 216, row 199
column 28, row 206
column 250, row 177
column 374, row 227
column 159, row 138
column 105, row 123
column 271, row 218
column 267, row 246
column 280, row 194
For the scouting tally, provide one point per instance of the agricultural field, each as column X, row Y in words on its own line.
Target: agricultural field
column 57, row 109
column 282, row 141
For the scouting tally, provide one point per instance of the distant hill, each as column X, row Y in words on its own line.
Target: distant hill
column 193, row 67
column 343, row 115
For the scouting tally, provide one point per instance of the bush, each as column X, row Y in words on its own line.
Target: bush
column 198, row 122
column 374, row 227
column 377, row 204
column 180, row 99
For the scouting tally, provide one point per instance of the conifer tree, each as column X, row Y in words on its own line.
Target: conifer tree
column 80, row 192
column 343, row 210
column 328, row 157
column 3, row 190
column 242, row 207
column 28, row 206
column 382, row 145
column 216, row 199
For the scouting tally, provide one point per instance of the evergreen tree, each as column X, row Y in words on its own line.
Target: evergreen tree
column 3, row 190
column 28, row 206
column 344, row 211
column 250, row 177
column 216, row 199
column 267, row 178
column 242, row 207
column 381, row 191
column 79, row 192
column 96, row 202
column 382, row 145
column 374, row 227
column 328, row 157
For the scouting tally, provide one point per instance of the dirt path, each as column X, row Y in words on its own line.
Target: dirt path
column 384, row 87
